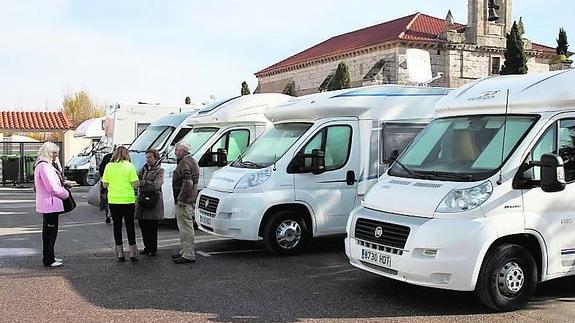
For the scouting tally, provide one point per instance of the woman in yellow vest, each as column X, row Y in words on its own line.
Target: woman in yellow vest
column 121, row 179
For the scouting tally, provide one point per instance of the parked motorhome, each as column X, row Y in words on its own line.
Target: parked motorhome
column 161, row 135
column 305, row 174
column 125, row 122
column 81, row 168
column 220, row 132
column 482, row 200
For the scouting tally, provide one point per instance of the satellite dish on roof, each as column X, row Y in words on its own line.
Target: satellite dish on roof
column 418, row 66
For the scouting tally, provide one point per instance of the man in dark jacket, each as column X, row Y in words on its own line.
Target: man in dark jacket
column 185, row 188
column 104, row 192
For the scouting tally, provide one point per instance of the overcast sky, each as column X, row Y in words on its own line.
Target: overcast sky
column 163, row 51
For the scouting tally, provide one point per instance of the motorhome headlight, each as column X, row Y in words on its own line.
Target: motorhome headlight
column 465, row 199
column 254, row 179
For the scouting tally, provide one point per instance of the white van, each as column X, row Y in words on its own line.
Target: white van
column 81, row 168
column 479, row 200
column 303, row 176
column 220, row 132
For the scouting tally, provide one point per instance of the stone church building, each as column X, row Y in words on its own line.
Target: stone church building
column 376, row 54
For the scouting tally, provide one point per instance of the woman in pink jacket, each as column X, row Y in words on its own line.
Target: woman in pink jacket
column 50, row 192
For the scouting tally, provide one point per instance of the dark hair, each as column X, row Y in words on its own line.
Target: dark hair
column 154, row 153
column 121, row 153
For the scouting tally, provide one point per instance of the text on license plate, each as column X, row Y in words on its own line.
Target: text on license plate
column 205, row 220
column 376, row 258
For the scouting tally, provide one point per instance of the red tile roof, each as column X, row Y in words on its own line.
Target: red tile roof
column 543, row 48
column 416, row 27
column 22, row 120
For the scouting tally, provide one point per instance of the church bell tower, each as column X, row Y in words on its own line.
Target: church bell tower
column 488, row 22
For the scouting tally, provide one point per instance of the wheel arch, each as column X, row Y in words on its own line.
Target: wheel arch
column 531, row 241
column 302, row 209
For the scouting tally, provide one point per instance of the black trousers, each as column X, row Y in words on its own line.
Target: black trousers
column 49, row 234
column 149, row 230
column 126, row 212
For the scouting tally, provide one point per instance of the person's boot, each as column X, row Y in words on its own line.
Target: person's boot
column 133, row 252
column 120, row 253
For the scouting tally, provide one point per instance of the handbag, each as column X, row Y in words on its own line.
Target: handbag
column 148, row 199
column 69, row 202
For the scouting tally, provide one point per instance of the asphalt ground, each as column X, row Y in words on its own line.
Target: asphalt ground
column 231, row 280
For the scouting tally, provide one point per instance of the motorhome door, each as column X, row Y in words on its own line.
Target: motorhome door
column 552, row 214
column 332, row 193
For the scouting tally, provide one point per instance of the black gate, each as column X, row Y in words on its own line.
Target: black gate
column 18, row 159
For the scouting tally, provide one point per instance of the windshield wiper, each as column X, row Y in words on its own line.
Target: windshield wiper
column 467, row 177
column 407, row 170
column 249, row 164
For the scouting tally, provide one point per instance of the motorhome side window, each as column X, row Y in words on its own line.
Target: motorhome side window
column 396, row 137
column 560, row 135
column 335, row 141
column 235, row 142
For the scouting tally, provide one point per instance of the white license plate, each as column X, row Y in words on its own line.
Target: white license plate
column 376, row 258
column 205, row 220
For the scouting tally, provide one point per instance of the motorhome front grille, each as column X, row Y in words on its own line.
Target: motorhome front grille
column 387, row 234
column 379, row 268
column 398, row 182
column 428, row 185
column 208, row 203
column 378, row 247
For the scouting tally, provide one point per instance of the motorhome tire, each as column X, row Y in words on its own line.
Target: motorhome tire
column 286, row 233
column 507, row 279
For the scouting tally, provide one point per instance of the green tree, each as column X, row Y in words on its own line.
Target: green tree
column 341, row 78
column 562, row 44
column 79, row 107
column 245, row 88
column 515, row 58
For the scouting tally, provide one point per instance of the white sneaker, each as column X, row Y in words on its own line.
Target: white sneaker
column 59, row 260
column 56, row 264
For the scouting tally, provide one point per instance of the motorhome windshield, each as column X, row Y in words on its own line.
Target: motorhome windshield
column 272, row 145
column 466, row 148
column 196, row 138
column 154, row 137
column 87, row 150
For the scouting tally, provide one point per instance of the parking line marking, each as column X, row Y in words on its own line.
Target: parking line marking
column 231, row 252
column 203, row 254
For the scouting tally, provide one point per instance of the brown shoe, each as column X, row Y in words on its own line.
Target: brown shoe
column 183, row 260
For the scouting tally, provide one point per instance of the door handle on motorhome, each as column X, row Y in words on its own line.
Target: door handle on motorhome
column 350, row 177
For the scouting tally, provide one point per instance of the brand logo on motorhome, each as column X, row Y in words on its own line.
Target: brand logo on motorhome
column 207, row 203
column 488, row 95
column 224, row 179
column 378, row 232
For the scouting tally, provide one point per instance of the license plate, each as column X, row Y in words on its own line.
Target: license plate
column 205, row 220
column 376, row 258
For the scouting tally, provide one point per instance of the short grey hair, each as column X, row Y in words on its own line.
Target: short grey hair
column 184, row 146
column 46, row 150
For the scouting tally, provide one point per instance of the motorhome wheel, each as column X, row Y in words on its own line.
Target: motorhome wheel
column 507, row 279
column 286, row 233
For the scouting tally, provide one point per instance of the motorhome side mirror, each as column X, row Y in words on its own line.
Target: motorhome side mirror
column 552, row 173
column 317, row 161
column 221, row 157
column 207, row 159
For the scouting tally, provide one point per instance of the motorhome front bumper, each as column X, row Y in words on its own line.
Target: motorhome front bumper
column 440, row 253
column 231, row 215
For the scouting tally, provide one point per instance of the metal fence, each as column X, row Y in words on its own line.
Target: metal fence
column 17, row 161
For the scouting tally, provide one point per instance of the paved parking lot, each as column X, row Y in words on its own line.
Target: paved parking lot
column 231, row 281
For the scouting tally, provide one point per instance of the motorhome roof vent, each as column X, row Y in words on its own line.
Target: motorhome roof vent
column 428, row 185
column 398, row 182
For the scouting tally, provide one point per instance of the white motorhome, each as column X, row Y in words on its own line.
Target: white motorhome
column 161, row 135
column 81, row 168
column 482, row 200
column 220, row 132
column 125, row 122
column 305, row 174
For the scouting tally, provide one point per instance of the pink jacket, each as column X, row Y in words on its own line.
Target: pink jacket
column 49, row 189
